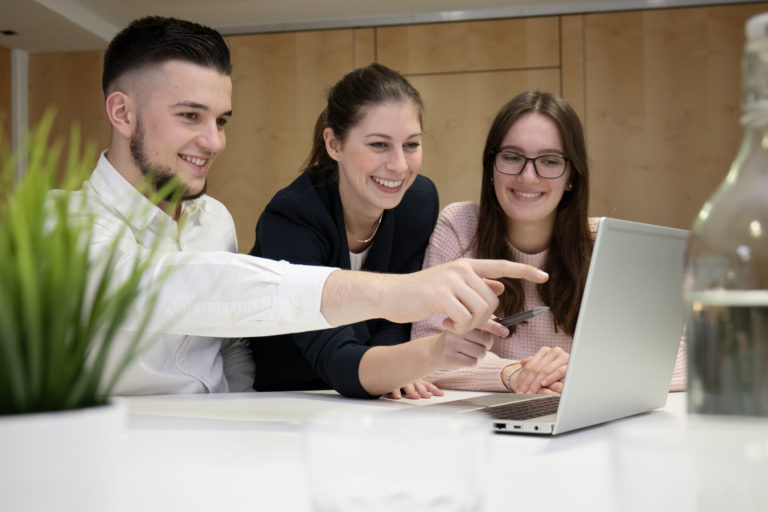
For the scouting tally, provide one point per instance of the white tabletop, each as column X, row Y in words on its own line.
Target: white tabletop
column 244, row 452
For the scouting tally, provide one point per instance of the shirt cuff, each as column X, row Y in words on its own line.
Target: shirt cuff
column 303, row 284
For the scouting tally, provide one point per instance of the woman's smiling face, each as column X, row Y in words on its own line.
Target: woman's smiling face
column 379, row 158
column 526, row 198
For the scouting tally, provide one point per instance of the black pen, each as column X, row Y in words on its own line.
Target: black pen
column 519, row 317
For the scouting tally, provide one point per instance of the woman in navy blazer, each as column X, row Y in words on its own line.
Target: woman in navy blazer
column 359, row 204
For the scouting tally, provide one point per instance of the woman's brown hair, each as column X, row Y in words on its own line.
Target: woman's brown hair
column 364, row 87
column 571, row 244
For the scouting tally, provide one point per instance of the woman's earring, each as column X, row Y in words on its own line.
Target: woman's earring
column 569, row 186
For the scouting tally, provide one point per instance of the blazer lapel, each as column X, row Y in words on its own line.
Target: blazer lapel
column 341, row 230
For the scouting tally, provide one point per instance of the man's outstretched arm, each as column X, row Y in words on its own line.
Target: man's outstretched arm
column 463, row 289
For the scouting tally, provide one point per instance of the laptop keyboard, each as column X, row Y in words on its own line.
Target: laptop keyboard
column 525, row 409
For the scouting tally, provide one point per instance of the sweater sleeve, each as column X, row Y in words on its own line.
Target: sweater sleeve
column 444, row 245
column 451, row 240
column 486, row 376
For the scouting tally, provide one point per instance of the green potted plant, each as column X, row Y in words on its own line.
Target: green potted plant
column 60, row 309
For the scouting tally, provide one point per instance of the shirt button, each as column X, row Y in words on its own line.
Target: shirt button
column 297, row 315
column 233, row 319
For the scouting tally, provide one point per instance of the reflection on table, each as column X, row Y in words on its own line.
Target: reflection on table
column 244, row 451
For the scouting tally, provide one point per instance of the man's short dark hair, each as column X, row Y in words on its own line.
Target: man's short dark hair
column 154, row 40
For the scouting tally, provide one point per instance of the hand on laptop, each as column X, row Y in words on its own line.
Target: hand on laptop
column 542, row 373
column 416, row 390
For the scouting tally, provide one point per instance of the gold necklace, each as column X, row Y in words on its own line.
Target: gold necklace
column 375, row 230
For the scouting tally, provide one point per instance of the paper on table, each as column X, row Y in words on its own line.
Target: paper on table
column 292, row 407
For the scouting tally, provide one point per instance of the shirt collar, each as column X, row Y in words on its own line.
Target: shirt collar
column 116, row 191
column 192, row 210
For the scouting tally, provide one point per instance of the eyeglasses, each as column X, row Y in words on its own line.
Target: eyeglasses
column 548, row 167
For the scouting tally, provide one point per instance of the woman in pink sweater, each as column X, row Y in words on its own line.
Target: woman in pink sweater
column 533, row 209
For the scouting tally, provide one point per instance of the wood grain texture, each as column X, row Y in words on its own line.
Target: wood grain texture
column 280, row 82
column 459, row 109
column 658, row 92
column 662, row 108
column 364, row 46
column 505, row 44
column 71, row 84
column 572, row 55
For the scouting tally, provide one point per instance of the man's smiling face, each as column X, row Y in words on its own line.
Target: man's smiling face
column 180, row 123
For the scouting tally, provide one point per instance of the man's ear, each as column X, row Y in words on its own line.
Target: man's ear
column 121, row 112
column 332, row 144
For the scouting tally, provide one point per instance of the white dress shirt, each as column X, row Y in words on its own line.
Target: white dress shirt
column 208, row 291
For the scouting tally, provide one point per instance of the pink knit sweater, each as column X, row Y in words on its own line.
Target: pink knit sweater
column 451, row 240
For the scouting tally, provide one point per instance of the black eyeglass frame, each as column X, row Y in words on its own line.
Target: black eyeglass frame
column 495, row 154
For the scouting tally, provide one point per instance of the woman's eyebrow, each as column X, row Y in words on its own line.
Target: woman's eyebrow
column 545, row 151
column 417, row 134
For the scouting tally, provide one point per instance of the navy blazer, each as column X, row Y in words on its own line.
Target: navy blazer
column 304, row 223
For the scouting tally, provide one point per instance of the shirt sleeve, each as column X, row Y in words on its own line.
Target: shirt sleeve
column 218, row 294
column 238, row 365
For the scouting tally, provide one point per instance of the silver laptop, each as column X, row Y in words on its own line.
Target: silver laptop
column 626, row 340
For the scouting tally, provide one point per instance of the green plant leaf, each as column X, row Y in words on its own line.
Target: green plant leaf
column 63, row 301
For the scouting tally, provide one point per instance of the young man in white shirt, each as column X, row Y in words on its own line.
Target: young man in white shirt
column 168, row 97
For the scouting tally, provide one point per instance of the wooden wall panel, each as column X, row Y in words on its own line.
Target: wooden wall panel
column 364, row 46
column 572, row 55
column 658, row 91
column 5, row 101
column 459, row 109
column 71, row 83
column 662, row 108
column 280, row 82
column 470, row 46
